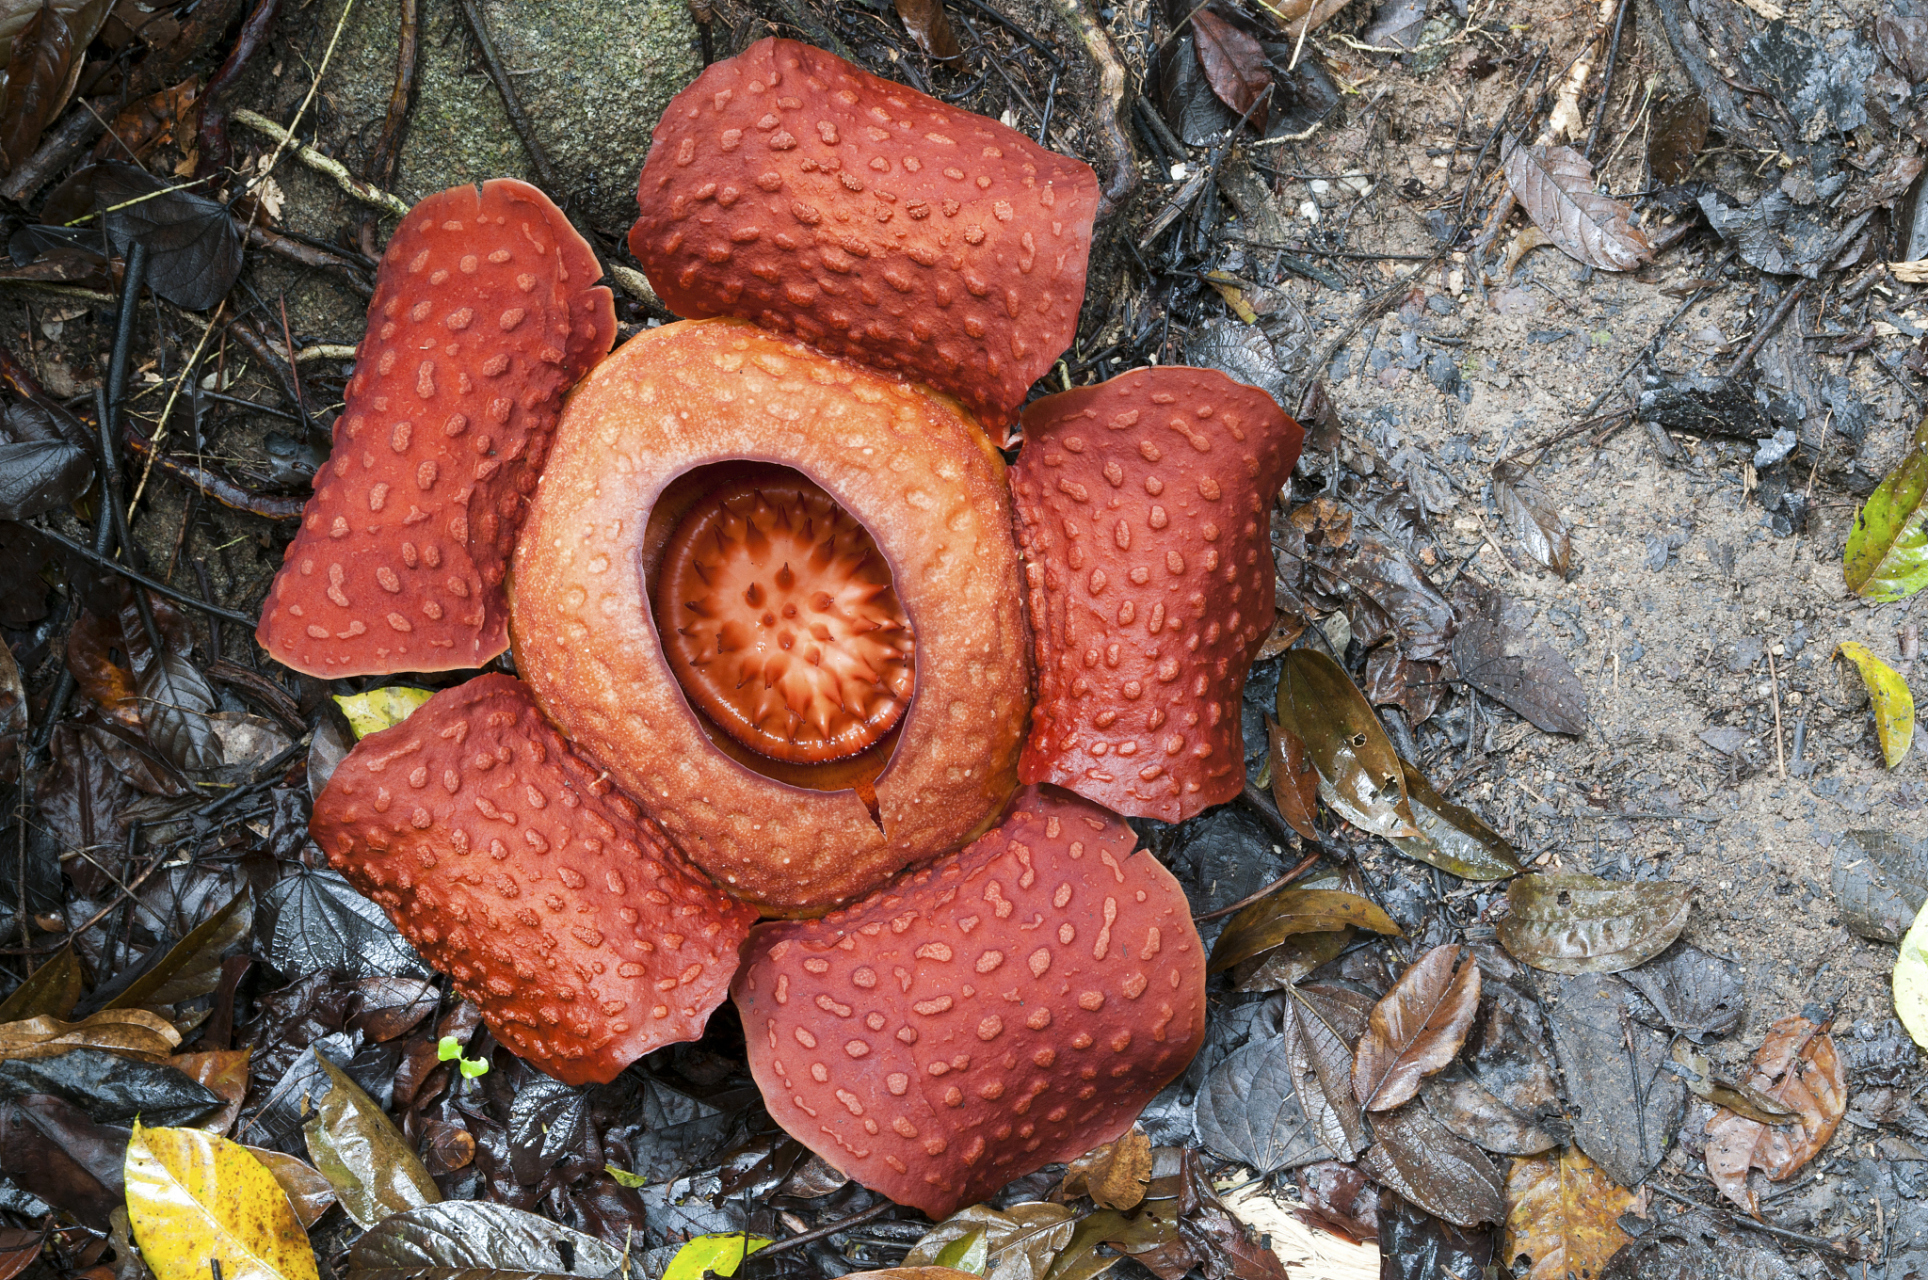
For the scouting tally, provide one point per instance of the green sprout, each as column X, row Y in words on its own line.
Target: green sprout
column 450, row 1050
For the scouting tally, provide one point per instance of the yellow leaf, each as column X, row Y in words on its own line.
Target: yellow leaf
column 1894, row 706
column 132, row 1033
column 1564, row 1214
column 1911, row 979
column 194, row 1198
column 720, row 1254
column 380, row 709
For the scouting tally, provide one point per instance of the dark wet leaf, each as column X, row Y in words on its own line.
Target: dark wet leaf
column 1820, row 81
column 40, row 469
column 193, row 245
column 136, row 761
column 84, row 803
column 388, row 1007
column 930, row 27
column 1555, row 186
column 1695, row 1246
column 1570, row 922
column 175, row 702
column 23, row 592
column 1274, row 918
column 363, row 1155
column 111, row 1089
column 1679, row 136
column 1019, row 1243
column 1185, row 97
column 1238, row 350
column 1457, row 1099
column 477, row 1240
column 1626, row 1100
column 1703, row 406
column 1903, row 41
column 18, row 1249
column 315, row 922
column 546, row 1119
column 1360, row 774
column 1528, row 513
column 190, row 967
column 1234, row 66
column 1086, row 1257
column 1887, row 553
column 1696, row 994
column 1249, row 1110
column 1797, row 1067
column 1290, row 961
column 50, row 991
column 1414, row 1245
column 1340, row 1200
column 1322, row 1023
column 1417, row 1028
column 1774, row 234
column 1320, row 418
column 1446, row 1176
column 1295, row 781
column 40, row 57
column 1497, row 654
column 1452, row 837
column 72, row 1162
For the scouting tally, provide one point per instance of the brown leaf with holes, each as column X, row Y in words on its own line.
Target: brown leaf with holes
column 1555, row 187
column 1114, row 1175
column 1295, row 781
column 930, row 27
column 1797, row 1067
column 1563, row 1214
column 1234, row 66
column 1416, row 1028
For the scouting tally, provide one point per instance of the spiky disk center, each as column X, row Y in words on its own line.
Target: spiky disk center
column 781, row 622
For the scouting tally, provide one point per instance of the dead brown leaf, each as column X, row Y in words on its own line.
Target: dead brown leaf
column 308, row 1190
column 1797, row 1067
column 1416, row 1028
column 225, row 1071
column 1234, row 66
column 1295, row 781
column 1563, row 1215
column 132, row 1033
column 1114, row 1175
column 930, row 27
column 1555, row 187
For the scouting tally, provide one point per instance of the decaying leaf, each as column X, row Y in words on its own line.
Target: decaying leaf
column 1562, row 1215
column 192, row 966
column 1694, row 993
column 1459, row 1101
column 1555, row 187
column 1679, row 136
column 1444, row 1175
column 194, row 1199
column 1359, row 771
column 1025, row 1237
column 477, row 1238
column 1797, row 1067
column 1295, row 781
column 1500, row 655
column 1234, row 65
column 1281, row 915
column 365, row 1158
column 1570, row 922
column 51, row 990
column 1452, row 837
column 306, row 1189
column 1113, row 1175
column 1529, row 515
column 1416, row 1028
column 133, row 1033
column 1887, row 553
column 1894, row 705
column 930, row 27
column 1249, row 1109
column 1617, row 1074
column 1744, row 1100
column 1321, row 1025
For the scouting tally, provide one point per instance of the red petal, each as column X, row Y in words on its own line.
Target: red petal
column 512, row 864
column 788, row 187
column 1144, row 512
column 483, row 316
column 1015, row 1005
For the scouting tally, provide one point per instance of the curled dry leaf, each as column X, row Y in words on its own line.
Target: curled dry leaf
column 1529, row 513
column 1893, row 704
column 1555, row 187
column 1568, row 922
column 131, row 1033
column 1234, row 66
column 1360, row 775
column 1797, row 1067
column 1289, row 912
column 1113, row 1175
column 1563, row 1215
column 1416, row 1028
column 1295, row 781
column 930, row 27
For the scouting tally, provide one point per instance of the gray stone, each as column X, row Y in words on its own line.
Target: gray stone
column 593, row 75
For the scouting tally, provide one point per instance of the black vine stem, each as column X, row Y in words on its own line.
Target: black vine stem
column 545, row 172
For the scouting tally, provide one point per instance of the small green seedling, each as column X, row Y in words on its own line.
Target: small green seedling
column 450, row 1050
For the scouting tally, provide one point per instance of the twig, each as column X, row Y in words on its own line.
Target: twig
column 875, row 1211
column 538, row 158
column 1780, row 756
column 1305, row 865
column 160, row 428
column 220, row 488
column 322, row 164
column 1110, row 114
column 1606, row 81
column 381, row 160
column 1742, row 1220
column 158, row 588
column 214, row 148
column 287, row 137
column 1767, row 328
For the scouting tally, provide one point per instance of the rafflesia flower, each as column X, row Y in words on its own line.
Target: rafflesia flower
column 793, row 639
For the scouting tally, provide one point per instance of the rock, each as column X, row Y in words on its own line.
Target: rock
column 593, row 75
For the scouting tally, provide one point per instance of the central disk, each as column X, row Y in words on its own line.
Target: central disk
column 781, row 623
